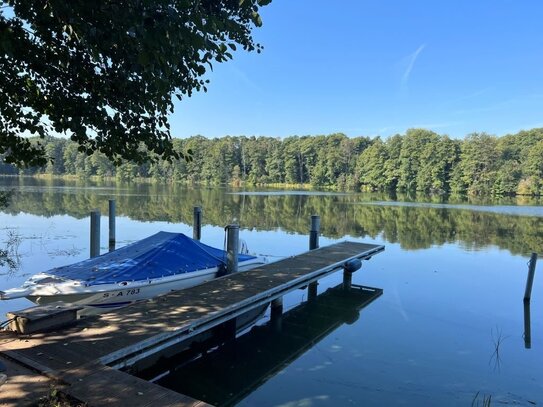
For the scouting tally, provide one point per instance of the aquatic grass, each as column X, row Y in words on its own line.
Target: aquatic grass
column 485, row 402
column 10, row 257
column 497, row 340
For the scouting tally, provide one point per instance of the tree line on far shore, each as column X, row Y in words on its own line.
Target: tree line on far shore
column 419, row 160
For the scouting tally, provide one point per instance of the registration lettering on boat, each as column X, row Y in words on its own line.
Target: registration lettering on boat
column 132, row 291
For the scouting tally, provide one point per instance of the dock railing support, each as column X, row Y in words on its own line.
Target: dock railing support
column 530, row 279
column 232, row 248
column 94, row 233
column 197, row 223
column 112, row 239
column 313, row 244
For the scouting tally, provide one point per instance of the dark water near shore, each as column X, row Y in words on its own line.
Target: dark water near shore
column 448, row 329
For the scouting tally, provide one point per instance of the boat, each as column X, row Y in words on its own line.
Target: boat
column 156, row 265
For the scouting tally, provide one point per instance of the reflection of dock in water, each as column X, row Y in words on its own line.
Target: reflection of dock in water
column 229, row 374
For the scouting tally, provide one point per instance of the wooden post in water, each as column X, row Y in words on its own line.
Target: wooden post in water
column 313, row 244
column 530, row 279
column 197, row 223
column 232, row 248
column 112, row 239
column 276, row 316
column 94, row 233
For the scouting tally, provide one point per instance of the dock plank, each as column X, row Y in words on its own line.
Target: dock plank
column 101, row 385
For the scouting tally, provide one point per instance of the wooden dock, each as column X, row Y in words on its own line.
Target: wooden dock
column 84, row 358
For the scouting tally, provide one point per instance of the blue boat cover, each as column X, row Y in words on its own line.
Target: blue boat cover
column 160, row 255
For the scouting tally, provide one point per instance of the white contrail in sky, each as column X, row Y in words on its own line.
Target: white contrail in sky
column 411, row 62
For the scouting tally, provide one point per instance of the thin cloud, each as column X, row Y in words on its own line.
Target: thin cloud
column 490, row 108
column 411, row 59
column 472, row 95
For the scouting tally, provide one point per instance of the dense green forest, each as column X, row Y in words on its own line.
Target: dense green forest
column 419, row 160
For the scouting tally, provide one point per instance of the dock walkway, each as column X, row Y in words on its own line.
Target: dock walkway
column 84, row 357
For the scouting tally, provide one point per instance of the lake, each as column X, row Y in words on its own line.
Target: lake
column 449, row 328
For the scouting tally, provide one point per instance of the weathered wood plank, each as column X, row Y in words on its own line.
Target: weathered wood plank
column 99, row 385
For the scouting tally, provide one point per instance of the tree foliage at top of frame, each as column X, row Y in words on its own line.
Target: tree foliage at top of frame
column 105, row 72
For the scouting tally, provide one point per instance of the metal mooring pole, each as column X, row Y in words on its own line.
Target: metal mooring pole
column 313, row 244
column 197, row 223
column 112, row 239
column 94, row 233
column 232, row 248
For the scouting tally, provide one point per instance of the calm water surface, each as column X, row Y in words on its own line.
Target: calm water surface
column 453, row 275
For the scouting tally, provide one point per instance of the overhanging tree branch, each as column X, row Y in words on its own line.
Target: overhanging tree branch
column 104, row 72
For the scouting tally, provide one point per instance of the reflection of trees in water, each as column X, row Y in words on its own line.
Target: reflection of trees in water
column 411, row 226
column 10, row 258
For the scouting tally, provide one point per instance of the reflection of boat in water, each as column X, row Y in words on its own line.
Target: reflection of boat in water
column 150, row 267
column 225, row 376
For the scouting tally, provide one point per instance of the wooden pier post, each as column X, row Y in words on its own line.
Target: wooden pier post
column 232, row 248
column 276, row 316
column 197, row 223
column 112, row 239
column 530, row 279
column 94, row 233
column 313, row 244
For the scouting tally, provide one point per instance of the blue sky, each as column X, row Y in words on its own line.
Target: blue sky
column 368, row 68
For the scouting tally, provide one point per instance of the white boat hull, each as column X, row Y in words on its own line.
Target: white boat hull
column 109, row 296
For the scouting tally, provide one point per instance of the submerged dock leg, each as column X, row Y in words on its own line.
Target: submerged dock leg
column 95, row 233
column 197, row 223
column 112, row 239
column 347, row 280
column 276, row 316
column 312, row 291
column 232, row 248
column 348, row 269
column 313, row 244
